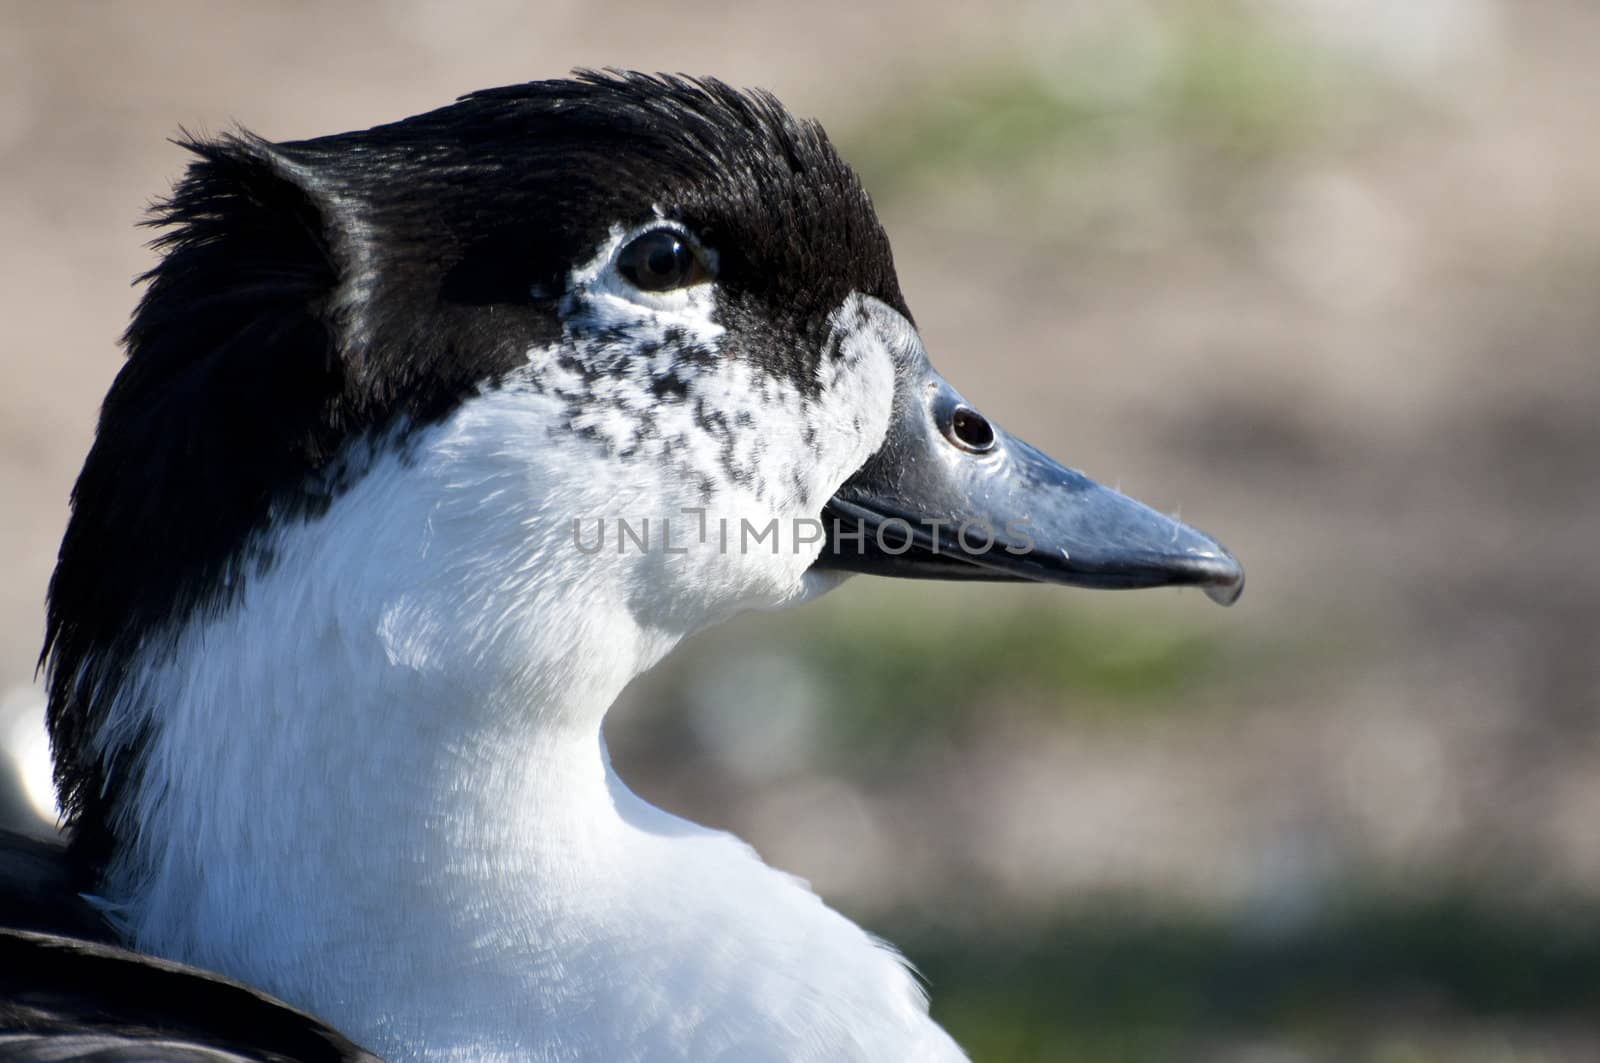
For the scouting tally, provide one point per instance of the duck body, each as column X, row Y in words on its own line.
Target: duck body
column 331, row 640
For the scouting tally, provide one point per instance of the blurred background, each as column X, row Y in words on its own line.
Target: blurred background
column 1319, row 274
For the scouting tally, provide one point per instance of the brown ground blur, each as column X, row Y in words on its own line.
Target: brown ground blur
column 1358, row 344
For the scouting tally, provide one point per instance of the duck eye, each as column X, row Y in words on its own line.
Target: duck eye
column 660, row 261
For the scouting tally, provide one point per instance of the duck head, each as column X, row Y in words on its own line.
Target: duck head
column 626, row 342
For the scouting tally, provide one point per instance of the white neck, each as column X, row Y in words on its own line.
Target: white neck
column 375, row 785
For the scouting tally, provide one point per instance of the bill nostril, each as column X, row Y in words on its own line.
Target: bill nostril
column 969, row 430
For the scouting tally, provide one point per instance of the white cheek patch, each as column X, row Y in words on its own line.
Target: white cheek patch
column 850, row 418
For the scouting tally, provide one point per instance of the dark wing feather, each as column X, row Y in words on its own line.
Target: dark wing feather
column 41, row 888
column 110, row 1048
column 65, row 999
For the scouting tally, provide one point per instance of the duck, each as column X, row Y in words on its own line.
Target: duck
column 430, row 438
